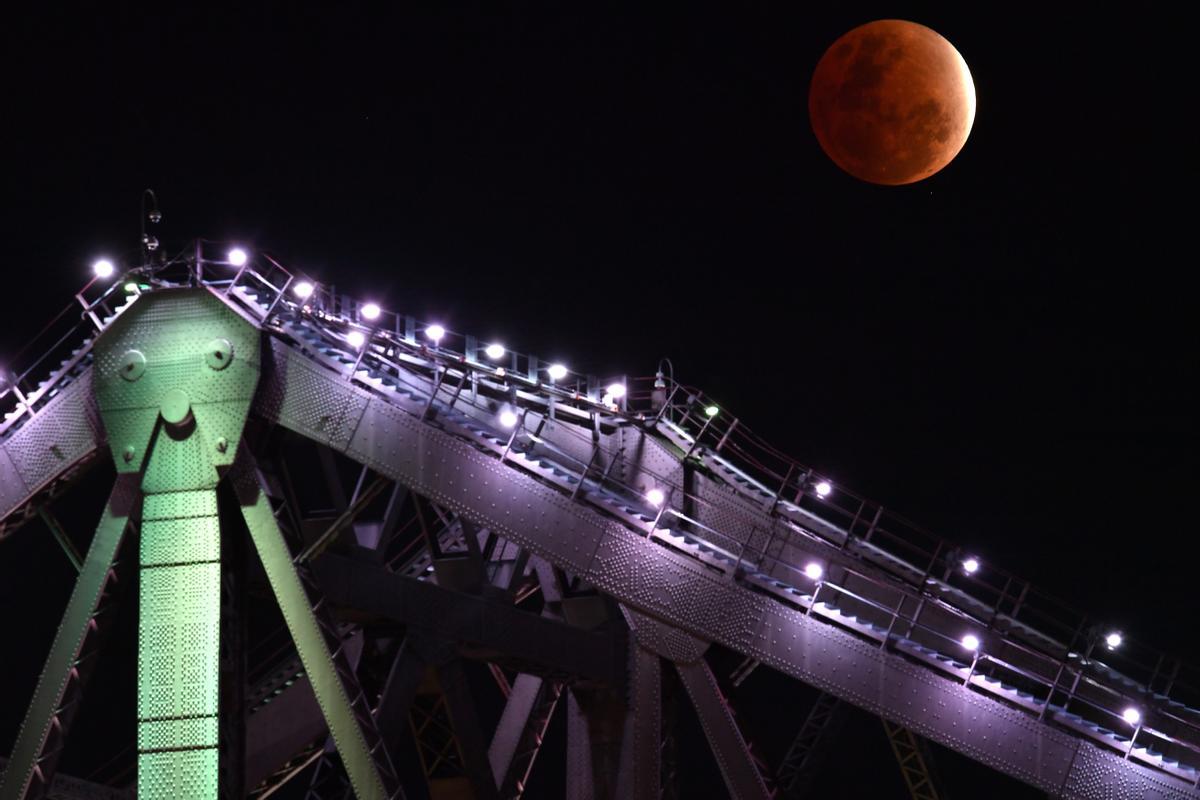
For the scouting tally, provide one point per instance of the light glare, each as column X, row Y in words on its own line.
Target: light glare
column 103, row 268
column 557, row 372
column 616, row 390
column 303, row 290
column 824, row 489
column 494, row 351
column 371, row 311
column 814, row 570
column 971, row 642
column 656, row 497
column 971, row 565
column 1132, row 716
column 508, row 419
column 238, row 257
column 356, row 339
column 1113, row 640
column 435, row 333
column 711, row 411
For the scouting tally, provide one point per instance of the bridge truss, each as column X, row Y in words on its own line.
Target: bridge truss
column 424, row 510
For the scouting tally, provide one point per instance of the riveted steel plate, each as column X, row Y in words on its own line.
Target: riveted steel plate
column 176, row 332
column 665, row 640
column 174, row 734
column 171, row 505
column 647, row 461
column 705, row 603
column 1096, row 773
column 735, row 517
column 316, row 401
column 641, row 746
column 62, row 432
column 732, row 756
column 180, row 773
column 13, row 491
column 173, row 541
column 178, row 627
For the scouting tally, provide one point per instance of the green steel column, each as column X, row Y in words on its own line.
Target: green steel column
column 318, row 665
column 175, row 375
column 76, row 622
column 179, row 645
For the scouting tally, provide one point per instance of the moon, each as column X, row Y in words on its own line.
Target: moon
column 892, row 102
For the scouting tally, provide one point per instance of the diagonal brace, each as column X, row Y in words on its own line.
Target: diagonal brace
column 29, row 771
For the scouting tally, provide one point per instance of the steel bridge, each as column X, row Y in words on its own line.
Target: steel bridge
column 425, row 508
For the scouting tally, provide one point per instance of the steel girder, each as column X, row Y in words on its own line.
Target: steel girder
column 640, row 775
column 733, row 756
column 913, row 758
column 814, row 739
column 65, row 787
column 481, row 626
column 41, row 738
column 343, row 704
column 325, row 406
column 64, row 436
column 511, row 498
column 520, row 732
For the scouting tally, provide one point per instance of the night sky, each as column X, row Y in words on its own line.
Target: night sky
column 1004, row 352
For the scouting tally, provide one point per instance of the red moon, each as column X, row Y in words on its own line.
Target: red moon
column 892, row 102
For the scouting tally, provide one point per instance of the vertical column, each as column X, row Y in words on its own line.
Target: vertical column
column 179, row 645
column 641, row 764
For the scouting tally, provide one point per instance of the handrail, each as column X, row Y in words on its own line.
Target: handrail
column 395, row 345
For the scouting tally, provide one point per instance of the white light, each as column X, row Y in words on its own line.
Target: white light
column 303, row 290
column 557, row 372
column 971, row 642
column 371, row 311
column 508, row 419
column 494, row 351
column 103, row 268
column 1132, row 716
column 712, row 411
column 238, row 257
column 356, row 339
column 1113, row 640
column 971, row 565
column 616, row 390
column 814, row 570
column 656, row 497
column 435, row 333
column 824, row 489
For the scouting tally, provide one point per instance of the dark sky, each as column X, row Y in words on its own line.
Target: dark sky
column 1004, row 352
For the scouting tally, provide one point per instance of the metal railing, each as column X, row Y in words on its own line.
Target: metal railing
column 923, row 580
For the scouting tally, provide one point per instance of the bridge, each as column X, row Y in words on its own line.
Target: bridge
column 424, row 506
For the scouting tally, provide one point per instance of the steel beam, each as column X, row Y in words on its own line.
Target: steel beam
column 528, row 508
column 641, row 766
column 65, row 787
column 733, row 756
column 366, row 759
column 825, row 719
column 483, row 627
column 913, row 758
column 520, row 732
column 59, row 689
column 275, row 732
column 595, row 718
column 461, row 706
column 61, row 434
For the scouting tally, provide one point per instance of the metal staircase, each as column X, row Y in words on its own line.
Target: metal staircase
column 668, row 504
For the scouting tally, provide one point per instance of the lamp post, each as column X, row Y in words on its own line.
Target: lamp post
column 153, row 216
